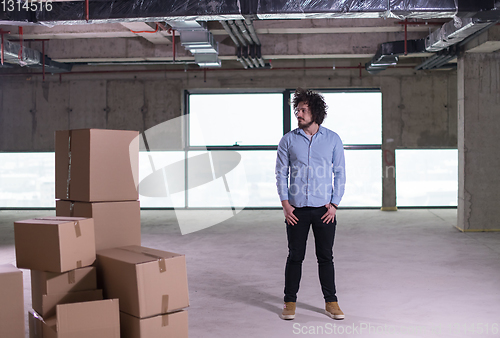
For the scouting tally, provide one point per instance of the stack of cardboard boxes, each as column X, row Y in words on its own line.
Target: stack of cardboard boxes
column 11, row 302
column 98, row 211
column 59, row 252
column 95, row 172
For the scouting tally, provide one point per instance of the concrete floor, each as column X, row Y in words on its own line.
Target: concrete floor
column 408, row 273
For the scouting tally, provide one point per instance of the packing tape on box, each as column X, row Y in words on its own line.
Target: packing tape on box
column 78, row 264
column 161, row 260
column 69, row 165
column 71, row 277
column 164, row 320
column 78, row 231
column 164, row 304
column 71, row 209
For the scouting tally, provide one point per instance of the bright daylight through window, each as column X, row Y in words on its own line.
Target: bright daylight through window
column 250, row 125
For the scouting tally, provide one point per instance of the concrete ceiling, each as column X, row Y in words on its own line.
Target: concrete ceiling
column 342, row 39
column 345, row 41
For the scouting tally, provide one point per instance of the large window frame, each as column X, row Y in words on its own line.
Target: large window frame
column 287, row 125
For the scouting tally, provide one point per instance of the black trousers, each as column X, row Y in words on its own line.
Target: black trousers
column 324, row 235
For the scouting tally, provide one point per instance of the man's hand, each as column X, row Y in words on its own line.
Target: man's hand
column 288, row 211
column 329, row 216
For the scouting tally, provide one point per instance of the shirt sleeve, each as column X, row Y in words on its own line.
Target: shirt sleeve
column 282, row 169
column 338, row 171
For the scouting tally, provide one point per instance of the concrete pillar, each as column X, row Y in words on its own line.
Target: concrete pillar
column 392, row 130
column 478, row 142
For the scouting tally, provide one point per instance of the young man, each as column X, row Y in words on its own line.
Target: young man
column 310, row 153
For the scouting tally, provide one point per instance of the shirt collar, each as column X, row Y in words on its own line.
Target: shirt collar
column 320, row 130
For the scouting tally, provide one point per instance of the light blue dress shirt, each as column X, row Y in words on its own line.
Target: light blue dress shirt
column 310, row 165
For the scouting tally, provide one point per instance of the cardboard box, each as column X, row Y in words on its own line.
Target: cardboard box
column 148, row 282
column 54, row 244
column 115, row 223
column 11, row 302
column 95, row 165
column 45, row 305
column 97, row 319
column 49, row 283
column 168, row 325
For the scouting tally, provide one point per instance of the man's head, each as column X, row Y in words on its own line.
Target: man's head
column 309, row 107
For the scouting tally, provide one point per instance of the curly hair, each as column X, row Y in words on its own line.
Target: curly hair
column 314, row 100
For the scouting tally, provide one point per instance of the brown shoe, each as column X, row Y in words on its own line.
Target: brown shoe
column 333, row 310
column 288, row 311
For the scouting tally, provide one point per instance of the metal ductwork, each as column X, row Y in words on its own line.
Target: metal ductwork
column 453, row 32
column 196, row 38
column 236, row 42
column 15, row 54
column 445, row 40
column 440, row 59
column 388, row 54
column 248, row 47
column 108, row 11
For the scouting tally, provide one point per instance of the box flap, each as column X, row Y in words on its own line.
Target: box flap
column 135, row 254
column 9, row 268
column 101, row 317
column 48, row 304
column 51, row 220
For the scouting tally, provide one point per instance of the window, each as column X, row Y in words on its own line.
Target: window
column 427, row 177
column 235, row 119
column 27, row 180
column 355, row 116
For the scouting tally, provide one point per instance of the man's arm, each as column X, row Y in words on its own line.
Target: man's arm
column 339, row 172
column 282, row 170
column 338, row 167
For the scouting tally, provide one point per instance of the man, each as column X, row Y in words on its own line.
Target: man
column 310, row 153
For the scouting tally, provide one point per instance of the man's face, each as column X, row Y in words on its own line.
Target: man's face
column 303, row 115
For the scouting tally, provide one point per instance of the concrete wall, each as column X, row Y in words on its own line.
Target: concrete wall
column 419, row 109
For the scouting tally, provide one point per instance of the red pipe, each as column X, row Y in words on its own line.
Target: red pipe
column 20, row 54
column 2, row 32
column 87, row 11
column 171, row 30
column 140, row 32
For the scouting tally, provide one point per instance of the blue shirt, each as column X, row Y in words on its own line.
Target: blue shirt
column 311, row 165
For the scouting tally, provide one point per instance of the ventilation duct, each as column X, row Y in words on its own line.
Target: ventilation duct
column 196, row 38
column 207, row 60
column 248, row 47
column 388, row 54
column 421, row 9
column 199, row 42
column 466, row 30
column 453, row 32
column 31, row 58
column 440, row 59
column 103, row 11
column 26, row 57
